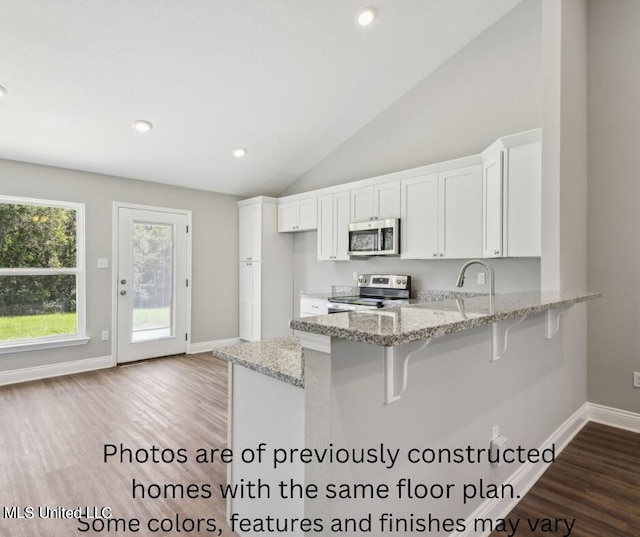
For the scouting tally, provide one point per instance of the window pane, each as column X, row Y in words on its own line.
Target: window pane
column 37, row 306
column 37, row 236
column 152, row 281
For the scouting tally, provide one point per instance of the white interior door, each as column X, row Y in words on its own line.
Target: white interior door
column 152, row 283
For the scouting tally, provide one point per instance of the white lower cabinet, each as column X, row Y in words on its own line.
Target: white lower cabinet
column 442, row 214
column 311, row 306
column 333, row 227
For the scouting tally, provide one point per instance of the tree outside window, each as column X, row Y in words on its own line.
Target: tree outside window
column 41, row 278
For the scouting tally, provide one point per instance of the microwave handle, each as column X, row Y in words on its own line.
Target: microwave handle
column 380, row 243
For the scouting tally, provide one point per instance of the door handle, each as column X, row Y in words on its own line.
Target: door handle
column 123, row 292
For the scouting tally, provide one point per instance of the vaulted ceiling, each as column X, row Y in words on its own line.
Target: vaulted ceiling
column 289, row 80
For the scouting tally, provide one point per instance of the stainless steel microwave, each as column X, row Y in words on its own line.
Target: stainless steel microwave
column 374, row 237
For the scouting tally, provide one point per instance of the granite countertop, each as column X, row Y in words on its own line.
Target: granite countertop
column 280, row 358
column 422, row 320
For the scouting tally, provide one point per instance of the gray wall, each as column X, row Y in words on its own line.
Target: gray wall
column 614, row 197
column 215, row 250
column 491, row 88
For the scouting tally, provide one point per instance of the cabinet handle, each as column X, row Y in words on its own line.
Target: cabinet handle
column 249, row 258
column 496, row 252
column 441, row 255
column 435, row 255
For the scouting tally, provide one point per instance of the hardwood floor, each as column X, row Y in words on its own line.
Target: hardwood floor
column 53, row 434
column 595, row 480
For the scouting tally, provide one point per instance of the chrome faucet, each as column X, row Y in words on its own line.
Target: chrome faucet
column 460, row 281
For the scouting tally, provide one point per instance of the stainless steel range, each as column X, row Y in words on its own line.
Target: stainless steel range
column 375, row 291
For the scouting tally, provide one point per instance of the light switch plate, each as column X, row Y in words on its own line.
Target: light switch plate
column 481, row 278
column 103, row 263
column 636, row 379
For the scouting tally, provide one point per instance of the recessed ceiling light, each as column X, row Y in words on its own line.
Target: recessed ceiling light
column 3, row 91
column 142, row 126
column 239, row 152
column 367, row 16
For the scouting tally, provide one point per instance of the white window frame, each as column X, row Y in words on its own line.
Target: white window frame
column 62, row 340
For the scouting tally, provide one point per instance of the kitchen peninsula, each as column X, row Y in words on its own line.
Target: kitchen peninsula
column 425, row 375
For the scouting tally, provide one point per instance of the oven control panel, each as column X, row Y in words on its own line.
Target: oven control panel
column 384, row 281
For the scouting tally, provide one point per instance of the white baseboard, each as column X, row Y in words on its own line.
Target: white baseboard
column 206, row 346
column 622, row 419
column 55, row 370
column 526, row 476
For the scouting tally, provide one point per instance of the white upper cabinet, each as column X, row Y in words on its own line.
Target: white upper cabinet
column 442, row 214
column 250, row 231
column 419, row 219
column 376, row 202
column 512, row 191
column 299, row 215
column 460, row 197
column 333, row 227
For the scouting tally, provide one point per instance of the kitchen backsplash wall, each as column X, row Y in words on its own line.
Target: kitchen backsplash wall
column 313, row 276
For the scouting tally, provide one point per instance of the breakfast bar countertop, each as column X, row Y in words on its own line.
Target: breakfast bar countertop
column 422, row 320
column 280, row 358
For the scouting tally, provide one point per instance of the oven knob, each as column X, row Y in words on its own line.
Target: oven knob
column 398, row 281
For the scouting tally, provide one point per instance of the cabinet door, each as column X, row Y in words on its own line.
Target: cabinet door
column 325, row 227
column 287, row 217
column 307, row 214
column 341, row 226
column 362, row 204
column 250, row 300
column 250, row 231
column 523, row 165
column 492, row 199
column 419, row 217
column 386, row 200
column 460, row 196
column 246, row 301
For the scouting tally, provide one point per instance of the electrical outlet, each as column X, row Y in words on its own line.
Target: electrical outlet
column 636, row 379
column 481, row 278
column 102, row 263
column 105, row 335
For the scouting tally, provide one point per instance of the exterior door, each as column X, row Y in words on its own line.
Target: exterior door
column 152, row 283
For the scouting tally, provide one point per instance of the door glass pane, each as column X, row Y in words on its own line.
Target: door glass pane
column 152, row 284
